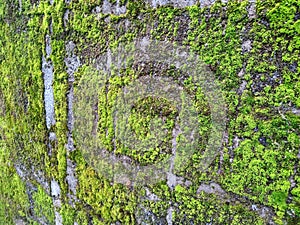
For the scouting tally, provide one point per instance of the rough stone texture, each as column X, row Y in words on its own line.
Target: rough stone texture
column 55, row 189
column 246, row 46
column 257, row 173
column 109, row 8
column 211, row 188
column 72, row 62
column 47, row 69
column 182, row 3
column 71, row 181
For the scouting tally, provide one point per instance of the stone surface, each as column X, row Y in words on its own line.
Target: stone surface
column 55, row 189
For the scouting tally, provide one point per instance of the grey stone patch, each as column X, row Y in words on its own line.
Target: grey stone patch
column 263, row 140
column 127, row 24
column 39, row 176
column 109, row 8
column 20, row 172
column 31, row 173
column 72, row 61
column 176, row 180
column 266, row 213
column 287, row 109
column 71, row 181
column 179, row 4
column 96, row 10
column 182, row 3
column 20, row 5
column 156, row 3
column 145, row 216
column 242, row 87
column 252, row 9
column 241, row 73
column 66, row 18
column 296, row 111
column 171, row 180
column 30, row 190
column 51, row 2
column 225, row 137
column 52, row 141
column 48, row 45
column 47, row 69
column 48, row 75
column 169, row 216
column 107, row 19
column 70, row 46
column 236, row 142
column 246, row 46
column 119, row 10
column 55, row 189
column 293, row 67
column 58, row 219
column 116, row 223
column 51, row 27
column 276, row 75
column 122, row 179
column 55, row 193
column 188, row 183
column 52, row 136
column 145, row 41
column 254, row 207
column 20, row 222
column 150, row 196
column 56, row 203
column 206, row 3
column 258, row 84
column 106, row 7
column 212, row 188
column 70, row 144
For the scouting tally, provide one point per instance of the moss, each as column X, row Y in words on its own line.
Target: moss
column 207, row 208
column 68, row 214
column 13, row 199
column 43, row 207
column 259, row 167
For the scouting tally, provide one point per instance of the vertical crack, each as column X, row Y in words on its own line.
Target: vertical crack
column 72, row 63
column 48, row 75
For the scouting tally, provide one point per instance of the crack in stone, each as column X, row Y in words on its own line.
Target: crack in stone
column 72, row 63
